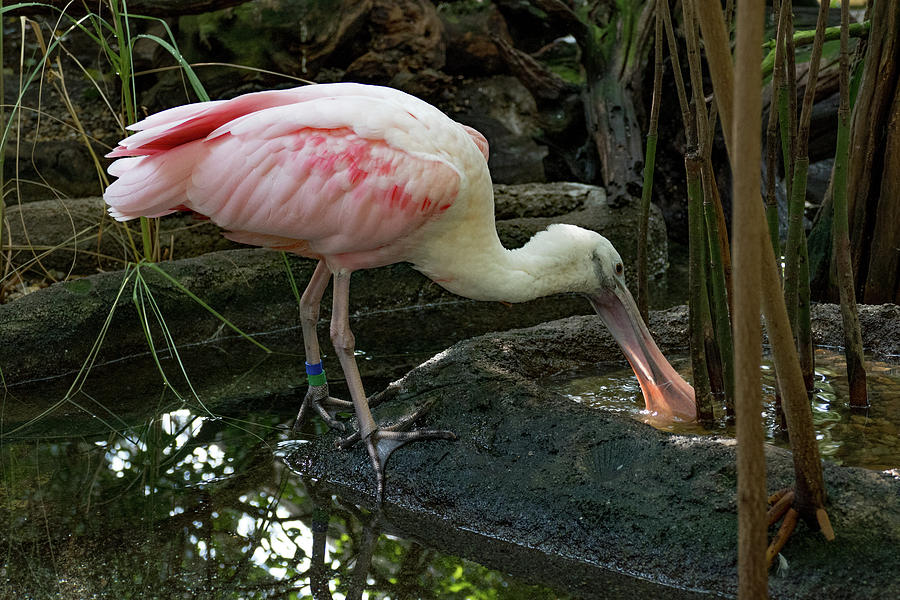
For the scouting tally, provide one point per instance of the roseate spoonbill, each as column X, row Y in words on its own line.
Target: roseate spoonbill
column 361, row 176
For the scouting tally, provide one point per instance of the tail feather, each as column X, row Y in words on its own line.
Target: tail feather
column 150, row 186
column 154, row 164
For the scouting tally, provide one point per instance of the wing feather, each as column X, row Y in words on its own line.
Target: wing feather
column 339, row 169
column 331, row 188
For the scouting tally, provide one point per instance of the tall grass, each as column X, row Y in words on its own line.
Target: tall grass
column 114, row 35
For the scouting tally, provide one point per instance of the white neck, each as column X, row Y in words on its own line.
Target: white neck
column 463, row 254
column 482, row 269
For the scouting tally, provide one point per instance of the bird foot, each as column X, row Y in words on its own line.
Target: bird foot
column 318, row 399
column 382, row 441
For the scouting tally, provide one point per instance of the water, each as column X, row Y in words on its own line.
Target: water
column 129, row 490
column 869, row 439
column 193, row 507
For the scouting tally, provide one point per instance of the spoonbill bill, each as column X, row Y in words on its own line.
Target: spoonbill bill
column 360, row 176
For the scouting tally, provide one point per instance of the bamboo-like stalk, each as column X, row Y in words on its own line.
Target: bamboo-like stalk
column 787, row 121
column 692, row 39
column 718, row 58
column 874, row 171
column 700, row 324
column 686, row 116
column 718, row 229
column 795, row 238
column 805, row 348
column 643, row 299
column 749, row 236
column 772, row 129
column 809, row 480
column 796, row 287
column 789, row 109
column 853, row 351
column 721, row 309
column 787, row 116
column 721, row 287
column 705, row 354
column 809, row 486
column 786, row 126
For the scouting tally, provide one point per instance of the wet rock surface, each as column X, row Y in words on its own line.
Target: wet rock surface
column 593, row 500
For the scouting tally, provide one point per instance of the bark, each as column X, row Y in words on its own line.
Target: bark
column 874, row 174
column 617, row 136
column 614, row 39
column 540, row 81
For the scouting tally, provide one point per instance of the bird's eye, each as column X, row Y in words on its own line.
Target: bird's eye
column 619, row 269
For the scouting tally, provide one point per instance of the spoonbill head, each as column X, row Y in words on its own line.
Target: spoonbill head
column 565, row 258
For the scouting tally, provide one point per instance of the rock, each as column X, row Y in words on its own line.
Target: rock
column 469, row 32
column 505, row 112
column 406, row 42
column 63, row 165
column 620, row 504
column 880, row 326
column 54, row 329
column 76, row 236
column 325, row 27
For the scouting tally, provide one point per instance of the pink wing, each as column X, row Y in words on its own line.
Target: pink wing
column 320, row 174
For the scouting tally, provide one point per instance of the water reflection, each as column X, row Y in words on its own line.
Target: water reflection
column 869, row 439
column 185, row 505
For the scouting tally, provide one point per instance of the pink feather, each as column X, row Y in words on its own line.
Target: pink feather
column 322, row 170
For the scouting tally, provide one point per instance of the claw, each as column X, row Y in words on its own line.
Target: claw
column 382, row 442
column 317, row 398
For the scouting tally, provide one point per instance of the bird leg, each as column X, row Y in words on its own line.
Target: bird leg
column 380, row 441
column 317, row 397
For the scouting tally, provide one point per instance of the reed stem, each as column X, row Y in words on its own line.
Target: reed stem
column 749, row 237
column 853, row 351
column 643, row 299
column 720, row 308
column 701, row 330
